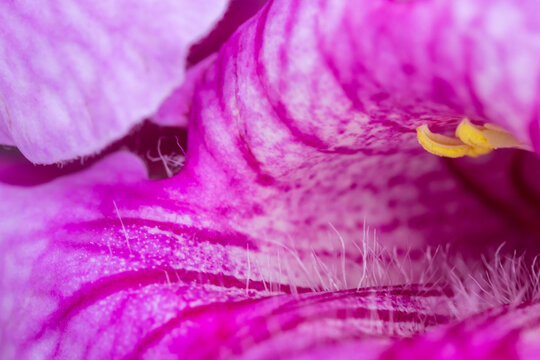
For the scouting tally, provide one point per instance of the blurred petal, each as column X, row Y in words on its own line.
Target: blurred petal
column 237, row 13
column 499, row 334
column 77, row 76
column 174, row 111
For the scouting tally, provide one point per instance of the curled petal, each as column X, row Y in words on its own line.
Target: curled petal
column 75, row 77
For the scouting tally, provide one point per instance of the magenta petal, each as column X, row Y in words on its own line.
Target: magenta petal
column 110, row 265
column 75, row 77
column 506, row 333
column 299, row 110
column 89, row 279
column 419, row 60
column 284, row 327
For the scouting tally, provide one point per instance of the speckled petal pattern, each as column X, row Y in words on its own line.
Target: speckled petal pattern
column 314, row 117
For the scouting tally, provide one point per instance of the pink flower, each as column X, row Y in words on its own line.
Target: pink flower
column 307, row 221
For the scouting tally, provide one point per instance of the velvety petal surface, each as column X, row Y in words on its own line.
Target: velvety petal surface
column 258, row 246
column 76, row 76
column 119, row 269
column 504, row 333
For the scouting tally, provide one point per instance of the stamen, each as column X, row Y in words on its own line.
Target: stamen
column 472, row 135
column 444, row 145
column 488, row 136
column 472, row 140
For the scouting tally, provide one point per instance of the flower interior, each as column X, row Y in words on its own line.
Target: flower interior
column 283, row 179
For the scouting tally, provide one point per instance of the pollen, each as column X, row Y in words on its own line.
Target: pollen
column 471, row 140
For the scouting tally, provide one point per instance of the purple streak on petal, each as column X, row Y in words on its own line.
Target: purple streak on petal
column 279, row 113
column 500, row 334
column 225, row 238
column 258, row 329
column 106, row 286
column 89, row 294
column 76, row 77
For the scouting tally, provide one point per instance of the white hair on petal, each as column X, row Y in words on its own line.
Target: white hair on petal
column 492, row 279
column 497, row 279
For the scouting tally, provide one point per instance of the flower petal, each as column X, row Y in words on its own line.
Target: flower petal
column 299, row 110
column 75, row 77
column 284, row 170
column 85, row 279
column 175, row 110
column 265, row 328
column 502, row 333
column 109, row 264
column 112, row 266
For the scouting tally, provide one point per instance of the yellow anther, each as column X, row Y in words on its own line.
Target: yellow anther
column 472, row 135
column 488, row 136
column 443, row 145
column 472, row 140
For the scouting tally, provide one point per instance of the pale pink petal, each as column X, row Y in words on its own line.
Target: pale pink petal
column 77, row 76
